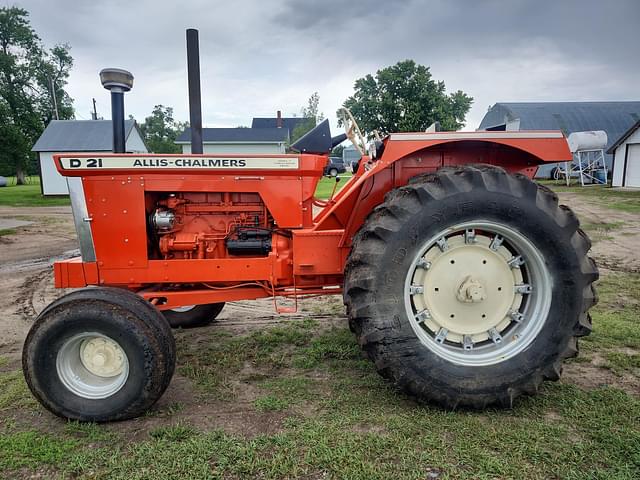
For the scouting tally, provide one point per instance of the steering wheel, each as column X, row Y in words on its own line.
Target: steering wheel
column 351, row 128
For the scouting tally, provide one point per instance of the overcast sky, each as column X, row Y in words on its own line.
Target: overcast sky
column 258, row 56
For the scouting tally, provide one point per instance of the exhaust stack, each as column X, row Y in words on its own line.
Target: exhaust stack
column 195, row 106
column 117, row 81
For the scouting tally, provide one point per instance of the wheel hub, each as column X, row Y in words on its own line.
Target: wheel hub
column 92, row 365
column 102, row 356
column 471, row 290
column 471, row 296
column 468, row 288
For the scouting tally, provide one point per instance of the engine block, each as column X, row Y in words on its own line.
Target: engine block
column 194, row 225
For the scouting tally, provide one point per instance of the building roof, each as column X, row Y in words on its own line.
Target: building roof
column 289, row 123
column 615, row 118
column 237, row 135
column 623, row 137
column 79, row 136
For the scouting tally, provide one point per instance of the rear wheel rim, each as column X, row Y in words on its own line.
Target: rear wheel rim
column 477, row 293
column 92, row 365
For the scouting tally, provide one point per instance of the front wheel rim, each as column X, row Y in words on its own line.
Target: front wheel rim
column 183, row 309
column 92, row 365
column 477, row 293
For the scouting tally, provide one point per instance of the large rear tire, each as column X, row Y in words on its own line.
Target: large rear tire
column 468, row 287
column 99, row 354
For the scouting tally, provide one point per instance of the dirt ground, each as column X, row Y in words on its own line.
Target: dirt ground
column 26, row 284
column 617, row 241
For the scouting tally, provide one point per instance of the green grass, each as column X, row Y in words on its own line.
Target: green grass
column 620, row 362
column 214, row 366
column 34, row 449
column 334, row 344
column 30, row 180
column 372, row 433
column 7, row 231
column 600, row 231
column 173, row 433
column 286, row 393
column 601, row 227
column 14, row 392
column 270, row 403
column 28, row 196
column 326, row 184
column 615, row 317
column 625, row 200
column 330, row 415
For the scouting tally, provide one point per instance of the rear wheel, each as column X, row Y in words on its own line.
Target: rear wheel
column 193, row 315
column 469, row 287
column 333, row 172
column 99, row 354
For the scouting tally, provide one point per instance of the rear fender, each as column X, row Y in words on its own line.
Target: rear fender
column 411, row 154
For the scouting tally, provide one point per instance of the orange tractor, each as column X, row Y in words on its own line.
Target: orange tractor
column 465, row 282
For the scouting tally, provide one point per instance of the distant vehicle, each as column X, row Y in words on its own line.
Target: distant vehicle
column 3, row 181
column 334, row 167
column 350, row 157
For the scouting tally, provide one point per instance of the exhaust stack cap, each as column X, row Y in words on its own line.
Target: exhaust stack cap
column 116, row 79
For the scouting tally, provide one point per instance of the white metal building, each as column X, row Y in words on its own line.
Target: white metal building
column 612, row 117
column 238, row 140
column 85, row 136
column 626, row 158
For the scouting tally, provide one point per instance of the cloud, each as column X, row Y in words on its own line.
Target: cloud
column 257, row 56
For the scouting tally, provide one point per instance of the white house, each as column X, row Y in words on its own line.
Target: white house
column 86, row 136
column 626, row 158
column 238, row 140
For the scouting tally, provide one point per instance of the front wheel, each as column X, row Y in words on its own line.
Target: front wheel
column 192, row 316
column 469, row 287
column 99, row 354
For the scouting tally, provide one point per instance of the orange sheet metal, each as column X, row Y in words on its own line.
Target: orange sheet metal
column 122, row 189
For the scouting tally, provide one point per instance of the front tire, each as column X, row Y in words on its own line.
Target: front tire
column 469, row 287
column 193, row 315
column 99, row 354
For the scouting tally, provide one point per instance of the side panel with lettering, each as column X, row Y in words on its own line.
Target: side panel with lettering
column 199, row 163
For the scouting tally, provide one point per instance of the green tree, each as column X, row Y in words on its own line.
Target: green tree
column 311, row 117
column 405, row 98
column 160, row 130
column 30, row 78
column 51, row 75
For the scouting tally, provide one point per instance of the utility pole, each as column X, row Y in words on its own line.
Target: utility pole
column 94, row 114
column 53, row 96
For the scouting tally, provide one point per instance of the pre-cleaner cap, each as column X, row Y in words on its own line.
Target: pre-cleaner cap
column 116, row 78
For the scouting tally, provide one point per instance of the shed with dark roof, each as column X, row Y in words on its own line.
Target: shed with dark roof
column 287, row 123
column 88, row 136
column 615, row 118
column 238, row 140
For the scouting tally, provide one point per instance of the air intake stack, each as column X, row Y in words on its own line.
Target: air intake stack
column 117, row 81
column 195, row 105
